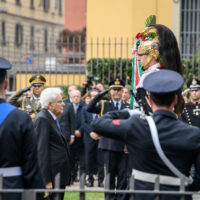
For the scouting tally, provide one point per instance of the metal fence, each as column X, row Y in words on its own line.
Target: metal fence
column 68, row 61
column 30, row 194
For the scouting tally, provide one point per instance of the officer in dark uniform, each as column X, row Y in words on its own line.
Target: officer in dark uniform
column 191, row 112
column 18, row 149
column 113, row 150
column 29, row 103
column 179, row 142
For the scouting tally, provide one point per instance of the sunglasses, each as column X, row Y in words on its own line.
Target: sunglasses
column 37, row 85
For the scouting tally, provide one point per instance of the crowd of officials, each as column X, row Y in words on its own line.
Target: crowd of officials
column 94, row 128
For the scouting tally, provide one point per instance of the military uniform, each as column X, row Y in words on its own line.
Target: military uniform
column 181, row 148
column 18, row 150
column 28, row 103
column 25, row 102
column 191, row 112
column 113, row 150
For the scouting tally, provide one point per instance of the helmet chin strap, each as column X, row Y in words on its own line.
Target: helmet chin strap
column 151, row 55
column 147, row 61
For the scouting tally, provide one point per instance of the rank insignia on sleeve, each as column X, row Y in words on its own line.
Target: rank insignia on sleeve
column 116, row 122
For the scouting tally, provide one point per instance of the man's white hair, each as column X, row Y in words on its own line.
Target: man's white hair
column 49, row 95
column 74, row 91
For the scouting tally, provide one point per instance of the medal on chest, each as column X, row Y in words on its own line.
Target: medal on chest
column 196, row 111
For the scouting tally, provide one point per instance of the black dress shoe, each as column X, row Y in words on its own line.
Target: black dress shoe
column 90, row 184
column 100, row 185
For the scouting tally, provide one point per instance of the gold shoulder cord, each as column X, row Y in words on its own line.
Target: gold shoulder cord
column 23, row 102
column 102, row 108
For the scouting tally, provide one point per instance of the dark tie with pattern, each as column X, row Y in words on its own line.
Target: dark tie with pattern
column 117, row 106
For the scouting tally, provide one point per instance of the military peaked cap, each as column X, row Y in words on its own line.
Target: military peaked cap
column 193, row 84
column 163, row 82
column 116, row 84
column 4, row 65
column 37, row 79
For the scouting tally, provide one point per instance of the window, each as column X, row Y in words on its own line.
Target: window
column 46, row 5
column 18, row 2
column 32, row 4
column 60, row 7
column 190, row 29
column 32, row 32
column 3, row 32
column 18, row 34
column 46, row 40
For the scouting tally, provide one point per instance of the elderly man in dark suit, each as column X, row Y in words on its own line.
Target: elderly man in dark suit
column 52, row 145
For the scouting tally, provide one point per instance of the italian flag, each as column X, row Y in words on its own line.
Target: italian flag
column 136, row 74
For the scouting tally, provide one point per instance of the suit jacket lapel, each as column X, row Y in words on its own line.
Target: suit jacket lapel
column 58, row 131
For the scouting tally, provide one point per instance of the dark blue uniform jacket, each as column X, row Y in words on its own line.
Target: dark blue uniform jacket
column 108, row 106
column 18, row 148
column 179, row 141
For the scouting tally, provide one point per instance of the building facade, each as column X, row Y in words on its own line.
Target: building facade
column 29, row 31
column 75, row 15
column 115, row 23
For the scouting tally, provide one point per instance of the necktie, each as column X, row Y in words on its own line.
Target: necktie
column 116, row 106
column 76, row 107
column 57, row 123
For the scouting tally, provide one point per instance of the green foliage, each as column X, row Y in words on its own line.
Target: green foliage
column 109, row 68
column 191, row 67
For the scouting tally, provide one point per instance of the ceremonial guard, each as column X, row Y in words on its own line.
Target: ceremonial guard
column 191, row 112
column 18, row 149
column 113, row 150
column 29, row 103
column 155, row 48
column 159, row 144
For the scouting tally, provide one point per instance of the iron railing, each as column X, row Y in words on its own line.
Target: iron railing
column 30, row 194
column 109, row 56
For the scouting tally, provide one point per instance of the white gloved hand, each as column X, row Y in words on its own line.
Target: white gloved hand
column 134, row 112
